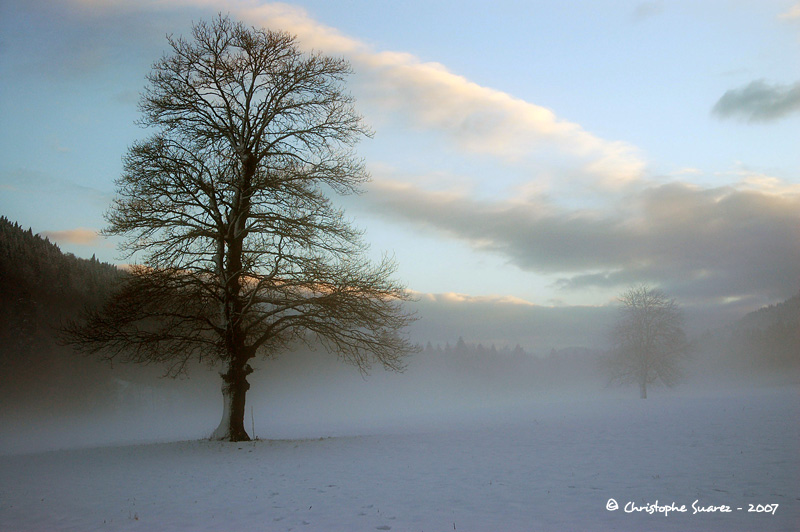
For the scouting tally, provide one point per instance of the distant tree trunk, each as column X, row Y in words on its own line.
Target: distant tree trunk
column 234, row 393
column 643, row 389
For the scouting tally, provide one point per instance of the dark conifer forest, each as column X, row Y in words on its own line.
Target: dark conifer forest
column 41, row 287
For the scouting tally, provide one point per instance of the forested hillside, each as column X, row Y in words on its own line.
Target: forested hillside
column 40, row 287
column 762, row 346
column 769, row 338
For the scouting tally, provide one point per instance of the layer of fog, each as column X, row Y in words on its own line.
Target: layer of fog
column 311, row 394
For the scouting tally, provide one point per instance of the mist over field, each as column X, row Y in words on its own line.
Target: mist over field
column 494, row 441
column 477, row 356
column 73, row 401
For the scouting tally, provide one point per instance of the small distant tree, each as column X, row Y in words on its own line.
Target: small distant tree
column 648, row 340
column 227, row 204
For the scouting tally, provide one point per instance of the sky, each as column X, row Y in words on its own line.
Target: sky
column 528, row 156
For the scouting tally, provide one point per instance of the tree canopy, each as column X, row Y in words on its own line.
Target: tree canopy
column 648, row 339
column 227, row 208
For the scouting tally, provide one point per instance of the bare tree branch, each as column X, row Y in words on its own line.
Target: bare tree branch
column 242, row 250
column 648, row 339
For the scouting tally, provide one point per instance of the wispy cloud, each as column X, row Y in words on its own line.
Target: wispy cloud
column 83, row 38
column 80, row 236
column 759, row 101
column 33, row 183
column 424, row 95
column 475, row 118
column 453, row 297
column 793, row 13
column 647, row 10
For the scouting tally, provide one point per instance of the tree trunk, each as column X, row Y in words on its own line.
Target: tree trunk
column 234, row 381
column 234, row 392
column 643, row 390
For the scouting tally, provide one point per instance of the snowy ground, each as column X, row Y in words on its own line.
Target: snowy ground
column 542, row 465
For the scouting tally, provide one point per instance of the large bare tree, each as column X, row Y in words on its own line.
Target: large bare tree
column 226, row 207
column 648, row 339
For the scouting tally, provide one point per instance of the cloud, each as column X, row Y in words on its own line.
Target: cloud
column 759, row 102
column 33, row 183
column 701, row 243
column 708, row 241
column 477, row 119
column 390, row 86
column 647, row 10
column 453, row 297
column 80, row 39
column 80, row 236
column 482, row 120
column 792, row 14
column 505, row 322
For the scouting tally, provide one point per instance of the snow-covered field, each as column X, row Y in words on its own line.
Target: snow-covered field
column 537, row 465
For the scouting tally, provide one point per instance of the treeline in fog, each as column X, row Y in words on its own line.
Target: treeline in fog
column 514, row 368
column 765, row 342
column 41, row 288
